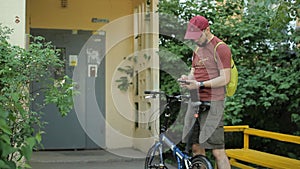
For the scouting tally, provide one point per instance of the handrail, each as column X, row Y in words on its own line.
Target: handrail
column 273, row 135
column 261, row 133
column 239, row 129
column 239, row 155
column 235, row 128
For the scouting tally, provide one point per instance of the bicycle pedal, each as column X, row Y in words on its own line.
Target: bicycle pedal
column 163, row 167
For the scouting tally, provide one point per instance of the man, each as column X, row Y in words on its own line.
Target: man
column 209, row 74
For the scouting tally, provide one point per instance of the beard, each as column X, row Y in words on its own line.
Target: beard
column 203, row 43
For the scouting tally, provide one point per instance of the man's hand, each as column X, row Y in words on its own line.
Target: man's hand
column 182, row 80
column 184, row 77
column 191, row 84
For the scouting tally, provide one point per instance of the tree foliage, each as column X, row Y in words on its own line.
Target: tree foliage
column 20, row 127
column 263, row 39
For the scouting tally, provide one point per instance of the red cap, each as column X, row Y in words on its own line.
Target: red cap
column 195, row 27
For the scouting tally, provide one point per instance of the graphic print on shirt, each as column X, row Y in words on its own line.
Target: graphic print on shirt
column 201, row 62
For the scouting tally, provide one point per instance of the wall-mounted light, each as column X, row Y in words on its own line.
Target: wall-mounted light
column 63, row 3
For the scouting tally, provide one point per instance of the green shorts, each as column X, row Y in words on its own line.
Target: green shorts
column 214, row 119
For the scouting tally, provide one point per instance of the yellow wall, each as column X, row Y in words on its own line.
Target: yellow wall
column 148, row 76
column 77, row 15
column 119, row 128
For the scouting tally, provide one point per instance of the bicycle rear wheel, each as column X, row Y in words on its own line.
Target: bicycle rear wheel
column 153, row 160
column 200, row 162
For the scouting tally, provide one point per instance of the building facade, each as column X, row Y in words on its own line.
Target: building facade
column 110, row 50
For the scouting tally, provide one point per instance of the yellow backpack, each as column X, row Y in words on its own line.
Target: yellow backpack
column 232, row 85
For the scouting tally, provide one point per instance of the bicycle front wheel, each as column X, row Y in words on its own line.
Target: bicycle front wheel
column 200, row 162
column 154, row 159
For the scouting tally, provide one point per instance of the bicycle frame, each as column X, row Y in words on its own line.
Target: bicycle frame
column 184, row 161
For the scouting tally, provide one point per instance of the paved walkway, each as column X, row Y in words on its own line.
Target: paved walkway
column 88, row 159
column 86, row 156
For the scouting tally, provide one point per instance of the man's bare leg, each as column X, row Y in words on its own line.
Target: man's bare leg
column 197, row 150
column 221, row 159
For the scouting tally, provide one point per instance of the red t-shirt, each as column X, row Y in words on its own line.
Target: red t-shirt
column 207, row 68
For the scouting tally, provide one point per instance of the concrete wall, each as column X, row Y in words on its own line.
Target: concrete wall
column 13, row 16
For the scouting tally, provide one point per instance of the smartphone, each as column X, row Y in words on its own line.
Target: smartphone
column 183, row 81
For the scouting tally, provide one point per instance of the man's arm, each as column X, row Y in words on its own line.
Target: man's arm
column 219, row 81
column 223, row 79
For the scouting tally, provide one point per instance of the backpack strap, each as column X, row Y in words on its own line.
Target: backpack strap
column 196, row 50
column 215, row 49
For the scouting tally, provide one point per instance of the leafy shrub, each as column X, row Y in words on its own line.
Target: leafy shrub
column 21, row 128
column 265, row 46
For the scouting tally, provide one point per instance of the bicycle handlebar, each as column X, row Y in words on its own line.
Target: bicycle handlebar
column 195, row 102
column 177, row 97
column 153, row 92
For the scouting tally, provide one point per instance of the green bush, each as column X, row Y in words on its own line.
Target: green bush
column 263, row 41
column 21, row 128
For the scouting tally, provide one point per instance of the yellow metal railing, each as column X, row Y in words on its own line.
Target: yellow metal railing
column 239, row 129
column 261, row 133
column 256, row 157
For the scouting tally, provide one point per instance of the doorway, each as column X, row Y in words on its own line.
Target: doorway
column 84, row 126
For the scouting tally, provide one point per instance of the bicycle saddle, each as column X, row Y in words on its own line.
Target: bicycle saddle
column 204, row 106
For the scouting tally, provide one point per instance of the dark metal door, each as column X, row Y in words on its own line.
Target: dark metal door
column 74, row 130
